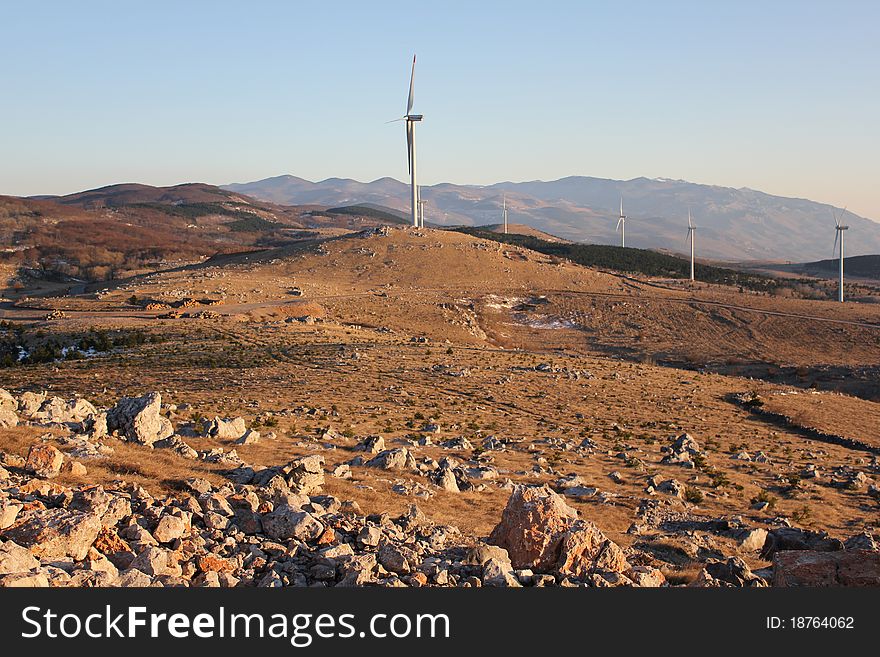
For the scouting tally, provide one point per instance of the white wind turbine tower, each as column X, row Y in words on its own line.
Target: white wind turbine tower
column 411, row 120
column 422, row 205
column 692, row 230
column 621, row 225
column 839, row 228
column 504, row 212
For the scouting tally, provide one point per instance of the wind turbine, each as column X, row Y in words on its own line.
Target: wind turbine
column 422, row 205
column 839, row 228
column 504, row 212
column 692, row 230
column 621, row 225
column 411, row 120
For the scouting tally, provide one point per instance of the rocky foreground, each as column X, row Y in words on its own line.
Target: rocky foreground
column 272, row 526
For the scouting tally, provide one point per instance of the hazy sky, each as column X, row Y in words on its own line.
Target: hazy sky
column 778, row 96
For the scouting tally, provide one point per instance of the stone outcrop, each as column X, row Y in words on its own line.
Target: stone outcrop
column 30, row 402
column 585, row 549
column 541, row 532
column 792, row 538
column 532, row 527
column 56, row 533
column 138, row 419
column 58, row 411
column 837, row 568
column 393, row 459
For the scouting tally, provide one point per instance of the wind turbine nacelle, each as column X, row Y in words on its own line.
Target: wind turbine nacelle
column 414, row 117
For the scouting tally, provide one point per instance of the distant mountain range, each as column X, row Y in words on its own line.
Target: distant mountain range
column 733, row 224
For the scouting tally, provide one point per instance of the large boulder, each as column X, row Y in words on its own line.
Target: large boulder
column 533, row 525
column 585, row 550
column 9, row 510
column 157, row 561
column 138, row 419
column 305, row 475
column 16, row 559
column 56, row 533
column 286, row 522
column 226, row 429
column 30, row 402
column 170, row 528
column 44, row 461
column 393, row 459
column 7, row 401
column 792, row 538
column 8, row 405
column 838, row 568
column 59, row 411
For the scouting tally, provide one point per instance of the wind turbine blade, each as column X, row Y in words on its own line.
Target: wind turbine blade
column 690, row 223
column 412, row 77
column 402, row 118
column 409, row 142
column 621, row 206
column 836, row 235
column 618, row 224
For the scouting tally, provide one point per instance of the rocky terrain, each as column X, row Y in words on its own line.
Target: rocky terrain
column 404, row 407
column 273, row 526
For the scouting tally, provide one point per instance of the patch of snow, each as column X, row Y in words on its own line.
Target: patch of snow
column 500, row 303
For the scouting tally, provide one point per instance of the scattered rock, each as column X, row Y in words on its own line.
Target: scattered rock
column 44, row 461
column 250, row 437
column 393, row 459
column 56, row 533
column 8, row 418
column 752, row 540
column 585, row 550
column 16, row 559
column 499, row 573
column 371, row 445
column 226, row 429
column 169, row 528
column 733, row 572
column 30, row 402
column 285, row 522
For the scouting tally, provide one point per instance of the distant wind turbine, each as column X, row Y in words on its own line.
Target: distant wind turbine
column 504, row 212
column 411, row 120
column 621, row 225
column 692, row 230
column 839, row 228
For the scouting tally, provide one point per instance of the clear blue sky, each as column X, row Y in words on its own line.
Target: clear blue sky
column 774, row 95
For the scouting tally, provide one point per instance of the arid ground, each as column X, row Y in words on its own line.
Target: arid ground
column 522, row 368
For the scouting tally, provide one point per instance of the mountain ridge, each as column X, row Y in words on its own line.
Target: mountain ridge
column 735, row 224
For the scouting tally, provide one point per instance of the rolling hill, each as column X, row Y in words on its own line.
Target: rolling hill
column 867, row 266
column 734, row 224
column 120, row 230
